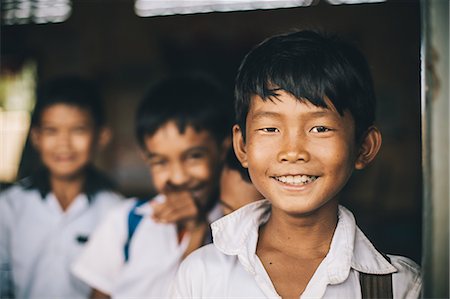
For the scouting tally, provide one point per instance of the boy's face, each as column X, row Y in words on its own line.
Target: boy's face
column 65, row 139
column 235, row 192
column 299, row 156
column 184, row 162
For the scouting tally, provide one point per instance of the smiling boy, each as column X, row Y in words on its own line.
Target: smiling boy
column 183, row 131
column 46, row 219
column 305, row 120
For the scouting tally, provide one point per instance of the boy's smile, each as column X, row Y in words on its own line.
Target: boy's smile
column 187, row 161
column 296, row 180
column 299, row 156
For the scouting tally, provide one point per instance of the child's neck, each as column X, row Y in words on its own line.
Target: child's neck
column 66, row 189
column 304, row 235
column 197, row 232
column 291, row 248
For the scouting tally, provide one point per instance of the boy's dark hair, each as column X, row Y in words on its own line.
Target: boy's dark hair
column 71, row 90
column 188, row 100
column 310, row 66
column 233, row 163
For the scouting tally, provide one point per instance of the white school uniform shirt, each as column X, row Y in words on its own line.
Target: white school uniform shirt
column 230, row 268
column 154, row 254
column 39, row 241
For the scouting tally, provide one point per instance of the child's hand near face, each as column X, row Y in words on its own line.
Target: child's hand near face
column 178, row 207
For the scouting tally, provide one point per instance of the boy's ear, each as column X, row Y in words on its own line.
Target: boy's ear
column 104, row 137
column 239, row 146
column 369, row 147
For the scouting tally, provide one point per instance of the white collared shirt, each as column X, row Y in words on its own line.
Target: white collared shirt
column 230, row 268
column 154, row 255
column 39, row 241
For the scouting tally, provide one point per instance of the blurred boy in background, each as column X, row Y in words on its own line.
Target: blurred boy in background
column 46, row 219
column 183, row 131
column 236, row 189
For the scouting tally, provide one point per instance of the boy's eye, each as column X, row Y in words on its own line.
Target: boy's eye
column 269, row 130
column 319, row 129
column 195, row 156
column 157, row 162
column 80, row 130
column 48, row 130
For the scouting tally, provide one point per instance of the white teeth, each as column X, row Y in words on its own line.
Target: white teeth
column 296, row 179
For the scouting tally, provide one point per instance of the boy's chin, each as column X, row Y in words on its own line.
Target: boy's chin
column 67, row 175
column 301, row 210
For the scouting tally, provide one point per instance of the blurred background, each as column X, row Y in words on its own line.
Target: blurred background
column 124, row 49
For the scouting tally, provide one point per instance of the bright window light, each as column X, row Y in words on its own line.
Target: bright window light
column 353, row 1
column 17, row 98
column 149, row 8
column 35, row 11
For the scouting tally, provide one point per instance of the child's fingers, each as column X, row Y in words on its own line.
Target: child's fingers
column 180, row 213
column 158, row 208
column 177, row 207
column 180, row 210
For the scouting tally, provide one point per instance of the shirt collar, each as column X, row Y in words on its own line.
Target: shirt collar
column 78, row 206
column 231, row 232
column 237, row 234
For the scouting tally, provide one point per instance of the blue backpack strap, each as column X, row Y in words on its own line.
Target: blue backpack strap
column 133, row 221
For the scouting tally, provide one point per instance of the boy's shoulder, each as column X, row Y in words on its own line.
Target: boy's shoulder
column 207, row 260
column 406, row 274
column 17, row 194
column 208, row 254
column 404, row 264
column 108, row 198
column 121, row 211
column 408, row 278
column 122, row 208
column 15, row 200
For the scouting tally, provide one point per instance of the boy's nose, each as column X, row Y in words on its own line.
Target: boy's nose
column 178, row 175
column 64, row 139
column 293, row 150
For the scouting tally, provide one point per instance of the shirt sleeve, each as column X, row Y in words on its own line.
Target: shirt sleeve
column 6, row 220
column 100, row 263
